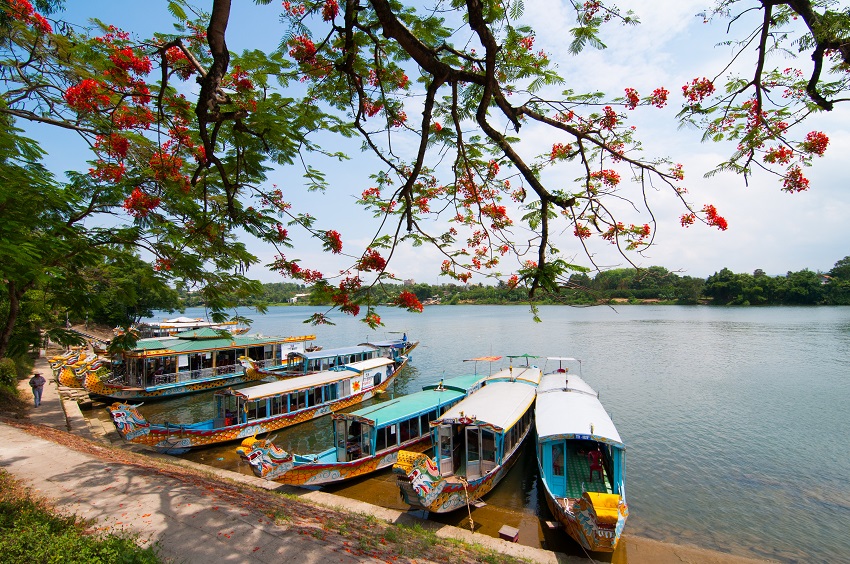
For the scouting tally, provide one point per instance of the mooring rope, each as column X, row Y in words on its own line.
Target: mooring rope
column 468, row 508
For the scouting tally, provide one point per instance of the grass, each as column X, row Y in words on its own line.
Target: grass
column 31, row 531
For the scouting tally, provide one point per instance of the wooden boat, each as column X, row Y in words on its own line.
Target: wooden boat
column 259, row 409
column 477, row 443
column 300, row 363
column 189, row 362
column 582, row 460
column 391, row 348
column 365, row 440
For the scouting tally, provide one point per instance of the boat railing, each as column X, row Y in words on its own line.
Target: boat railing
column 190, row 375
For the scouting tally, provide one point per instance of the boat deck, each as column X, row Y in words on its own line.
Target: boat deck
column 578, row 472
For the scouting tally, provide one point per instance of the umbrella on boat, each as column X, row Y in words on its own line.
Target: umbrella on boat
column 489, row 359
column 526, row 356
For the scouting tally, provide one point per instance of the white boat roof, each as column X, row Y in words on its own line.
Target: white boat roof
column 310, row 380
column 568, row 406
column 500, row 404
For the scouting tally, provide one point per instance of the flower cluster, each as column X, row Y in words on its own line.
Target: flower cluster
column 88, row 96
column 333, row 243
column 608, row 176
column 560, row 151
column 408, row 301
column 815, row 143
column 23, row 11
column 659, row 97
column 330, row 10
column 372, row 260
column 697, row 90
column 292, row 269
column 632, row 98
column 713, row 219
column 139, row 204
column 794, row 181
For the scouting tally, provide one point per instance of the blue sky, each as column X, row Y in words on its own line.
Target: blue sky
column 768, row 229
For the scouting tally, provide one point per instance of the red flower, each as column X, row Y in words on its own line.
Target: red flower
column 372, row 260
column 333, row 243
column 330, row 10
column 795, row 181
column 713, row 218
column 139, row 204
column 409, row 301
column 87, row 96
column 697, row 90
column 632, row 98
column 816, row 142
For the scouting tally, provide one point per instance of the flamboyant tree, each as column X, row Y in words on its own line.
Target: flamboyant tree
column 184, row 175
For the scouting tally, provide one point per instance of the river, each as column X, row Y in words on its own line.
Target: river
column 735, row 420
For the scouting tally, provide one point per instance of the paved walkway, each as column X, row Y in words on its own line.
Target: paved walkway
column 194, row 524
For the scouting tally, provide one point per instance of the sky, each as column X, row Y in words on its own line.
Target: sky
column 768, row 229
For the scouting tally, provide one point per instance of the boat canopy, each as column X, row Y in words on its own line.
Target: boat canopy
column 178, row 345
column 500, row 404
column 333, row 353
column 395, row 343
column 528, row 374
column 404, row 407
column 572, row 412
column 309, row 381
column 462, row 383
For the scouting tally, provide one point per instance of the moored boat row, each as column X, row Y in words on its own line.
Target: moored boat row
column 449, row 445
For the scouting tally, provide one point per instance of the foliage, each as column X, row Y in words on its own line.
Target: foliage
column 8, row 374
column 31, row 532
column 187, row 176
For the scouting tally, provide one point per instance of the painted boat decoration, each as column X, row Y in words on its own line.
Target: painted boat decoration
column 72, row 372
column 70, row 356
column 582, row 460
column 365, row 440
column 189, row 362
column 477, row 443
column 259, row 409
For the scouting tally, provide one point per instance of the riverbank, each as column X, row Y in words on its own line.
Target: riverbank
column 194, row 513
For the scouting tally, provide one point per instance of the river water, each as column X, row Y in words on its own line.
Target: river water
column 735, row 420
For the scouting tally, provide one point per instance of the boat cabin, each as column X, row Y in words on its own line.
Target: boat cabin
column 256, row 403
column 579, row 448
column 389, row 425
column 199, row 354
column 308, row 362
column 481, row 432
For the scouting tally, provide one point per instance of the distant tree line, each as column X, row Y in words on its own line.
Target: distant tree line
column 654, row 283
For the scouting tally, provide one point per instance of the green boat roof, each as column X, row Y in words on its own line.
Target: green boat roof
column 178, row 345
column 405, row 407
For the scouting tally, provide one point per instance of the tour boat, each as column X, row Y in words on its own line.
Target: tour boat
column 300, row 363
column 582, row 460
column 477, row 442
column 189, row 362
column 171, row 327
column 365, row 440
column 70, row 369
column 266, row 407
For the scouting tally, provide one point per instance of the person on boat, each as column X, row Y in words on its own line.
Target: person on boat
column 37, row 384
column 404, row 338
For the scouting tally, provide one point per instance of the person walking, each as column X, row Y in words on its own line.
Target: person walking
column 37, row 384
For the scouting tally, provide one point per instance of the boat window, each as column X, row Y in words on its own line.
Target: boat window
column 315, row 396
column 406, row 431
column 392, row 435
column 557, row 459
column 268, row 352
column 424, row 419
column 377, row 379
column 488, row 449
column 278, row 405
column 252, row 410
column 381, row 439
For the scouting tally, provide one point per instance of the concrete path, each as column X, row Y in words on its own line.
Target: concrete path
column 194, row 524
